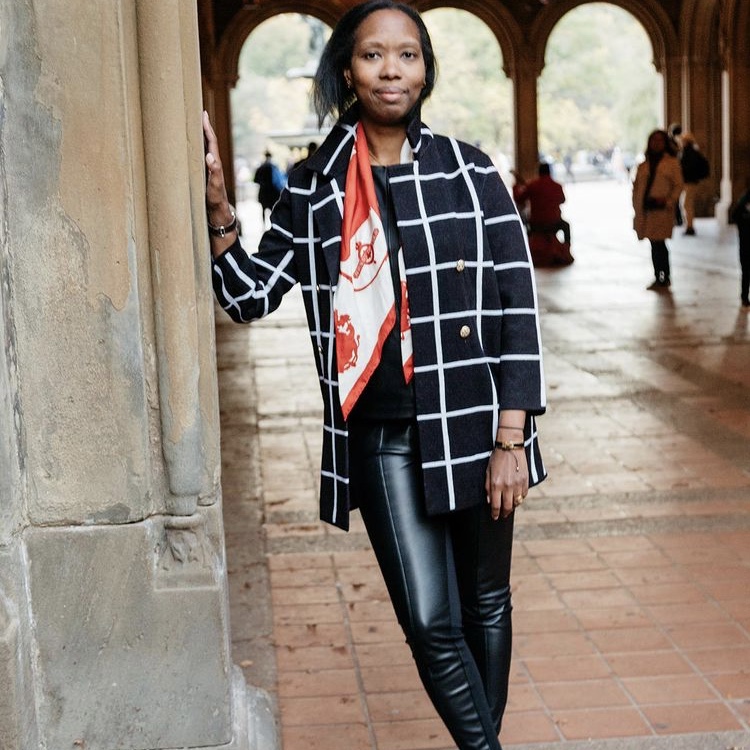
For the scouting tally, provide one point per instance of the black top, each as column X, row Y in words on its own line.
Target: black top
column 387, row 395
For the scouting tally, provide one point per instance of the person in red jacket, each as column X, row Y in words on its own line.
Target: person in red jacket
column 544, row 197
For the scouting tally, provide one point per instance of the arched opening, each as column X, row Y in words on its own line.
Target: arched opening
column 270, row 104
column 470, row 61
column 599, row 94
column 271, row 110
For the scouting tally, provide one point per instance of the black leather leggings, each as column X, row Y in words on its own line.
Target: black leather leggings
column 448, row 577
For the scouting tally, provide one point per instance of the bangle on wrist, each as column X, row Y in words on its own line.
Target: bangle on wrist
column 507, row 445
column 223, row 229
column 509, row 427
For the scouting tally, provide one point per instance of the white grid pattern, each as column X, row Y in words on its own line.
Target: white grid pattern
column 468, row 269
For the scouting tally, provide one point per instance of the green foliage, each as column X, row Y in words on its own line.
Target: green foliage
column 599, row 87
column 265, row 99
column 276, row 46
column 473, row 97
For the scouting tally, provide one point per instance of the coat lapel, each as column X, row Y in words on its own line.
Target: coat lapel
column 330, row 163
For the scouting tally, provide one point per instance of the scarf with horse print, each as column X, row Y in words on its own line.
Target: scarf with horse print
column 364, row 301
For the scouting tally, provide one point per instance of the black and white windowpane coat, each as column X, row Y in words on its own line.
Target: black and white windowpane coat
column 472, row 301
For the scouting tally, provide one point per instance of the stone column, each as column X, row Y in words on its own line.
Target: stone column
column 525, row 76
column 672, row 75
column 739, row 105
column 702, row 107
column 114, row 631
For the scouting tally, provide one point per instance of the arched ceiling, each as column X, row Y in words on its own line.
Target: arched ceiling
column 519, row 25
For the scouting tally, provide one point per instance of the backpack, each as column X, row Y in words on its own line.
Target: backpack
column 277, row 178
column 701, row 166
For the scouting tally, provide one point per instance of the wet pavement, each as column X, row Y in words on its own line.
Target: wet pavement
column 631, row 573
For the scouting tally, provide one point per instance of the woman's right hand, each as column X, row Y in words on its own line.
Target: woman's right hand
column 218, row 208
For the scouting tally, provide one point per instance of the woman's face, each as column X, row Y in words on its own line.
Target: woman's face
column 657, row 143
column 387, row 70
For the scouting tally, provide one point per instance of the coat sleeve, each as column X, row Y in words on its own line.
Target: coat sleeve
column 251, row 286
column 520, row 373
column 639, row 191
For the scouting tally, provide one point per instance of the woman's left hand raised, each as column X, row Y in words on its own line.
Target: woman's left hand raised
column 218, row 208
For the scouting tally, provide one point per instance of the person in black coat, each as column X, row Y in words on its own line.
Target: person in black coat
column 268, row 178
column 695, row 168
column 740, row 215
column 431, row 385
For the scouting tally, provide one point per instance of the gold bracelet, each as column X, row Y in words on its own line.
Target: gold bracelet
column 507, row 445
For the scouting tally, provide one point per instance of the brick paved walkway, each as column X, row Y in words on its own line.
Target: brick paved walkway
column 632, row 561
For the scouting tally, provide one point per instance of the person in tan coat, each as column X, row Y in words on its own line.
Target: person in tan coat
column 656, row 192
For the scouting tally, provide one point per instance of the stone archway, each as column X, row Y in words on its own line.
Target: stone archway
column 692, row 45
column 702, row 90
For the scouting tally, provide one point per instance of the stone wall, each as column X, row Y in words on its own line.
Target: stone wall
column 113, row 607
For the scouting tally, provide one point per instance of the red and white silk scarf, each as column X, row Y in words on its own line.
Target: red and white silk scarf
column 364, row 305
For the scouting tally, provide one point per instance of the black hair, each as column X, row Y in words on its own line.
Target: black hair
column 669, row 146
column 544, row 169
column 330, row 92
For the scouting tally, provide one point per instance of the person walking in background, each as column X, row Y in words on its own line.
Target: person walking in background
column 270, row 181
column 656, row 191
column 740, row 215
column 694, row 170
column 428, row 350
column 568, row 164
column 675, row 131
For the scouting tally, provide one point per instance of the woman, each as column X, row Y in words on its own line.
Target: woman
column 656, row 192
column 429, row 397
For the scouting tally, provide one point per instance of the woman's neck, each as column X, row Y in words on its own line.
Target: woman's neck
column 384, row 144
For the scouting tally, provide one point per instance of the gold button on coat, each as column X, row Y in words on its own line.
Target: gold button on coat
column 465, row 332
column 460, row 265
